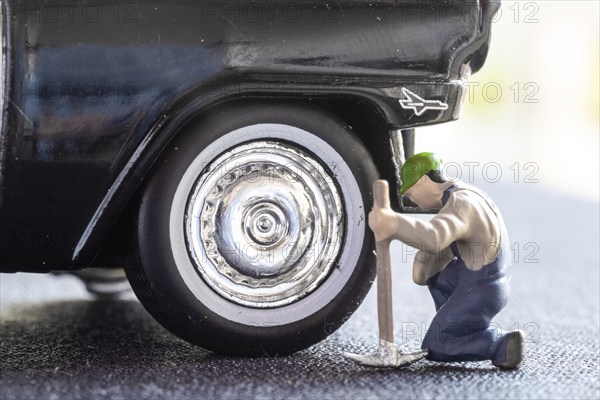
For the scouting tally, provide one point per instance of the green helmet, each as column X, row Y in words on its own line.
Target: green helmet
column 416, row 167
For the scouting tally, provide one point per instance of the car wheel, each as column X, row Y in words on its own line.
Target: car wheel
column 251, row 236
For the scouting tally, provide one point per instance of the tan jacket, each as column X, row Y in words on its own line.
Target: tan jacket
column 468, row 219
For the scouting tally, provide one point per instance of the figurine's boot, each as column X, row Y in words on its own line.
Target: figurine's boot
column 510, row 353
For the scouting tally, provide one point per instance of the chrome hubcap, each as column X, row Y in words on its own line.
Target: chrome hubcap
column 264, row 224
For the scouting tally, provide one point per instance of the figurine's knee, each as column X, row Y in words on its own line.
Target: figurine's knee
column 435, row 338
column 436, row 346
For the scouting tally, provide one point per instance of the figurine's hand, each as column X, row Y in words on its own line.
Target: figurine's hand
column 383, row 222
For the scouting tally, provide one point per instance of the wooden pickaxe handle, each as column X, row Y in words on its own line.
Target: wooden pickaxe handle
column 381, row 197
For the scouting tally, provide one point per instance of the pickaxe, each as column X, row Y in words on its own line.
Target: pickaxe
column 387, row 354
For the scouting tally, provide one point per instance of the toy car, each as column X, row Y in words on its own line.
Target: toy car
column 224, row 150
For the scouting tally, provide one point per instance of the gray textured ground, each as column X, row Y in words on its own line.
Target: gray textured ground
column 56, row 343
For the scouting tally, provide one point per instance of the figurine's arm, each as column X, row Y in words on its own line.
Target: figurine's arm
column 431, row 238
column 450, row 224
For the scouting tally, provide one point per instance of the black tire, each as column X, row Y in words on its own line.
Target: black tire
column 164, row 274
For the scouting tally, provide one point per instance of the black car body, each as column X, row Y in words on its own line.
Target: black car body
column 93, row 92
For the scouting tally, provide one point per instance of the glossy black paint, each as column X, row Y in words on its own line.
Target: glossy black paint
column 94, row 90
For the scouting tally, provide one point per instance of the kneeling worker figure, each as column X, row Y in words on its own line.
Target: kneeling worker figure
column 463, row 258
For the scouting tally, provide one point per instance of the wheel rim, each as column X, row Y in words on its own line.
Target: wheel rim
column 264, row 224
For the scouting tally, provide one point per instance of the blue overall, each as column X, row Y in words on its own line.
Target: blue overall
column 466, row 301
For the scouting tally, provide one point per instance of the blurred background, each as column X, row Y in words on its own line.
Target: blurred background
column 534, row 107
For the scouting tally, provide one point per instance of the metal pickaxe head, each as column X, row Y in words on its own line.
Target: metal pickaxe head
column 387, row 355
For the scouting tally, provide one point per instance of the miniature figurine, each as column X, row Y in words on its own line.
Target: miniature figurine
column 463, row 258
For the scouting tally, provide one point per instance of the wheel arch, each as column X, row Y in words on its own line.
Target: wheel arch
column 365, row 117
